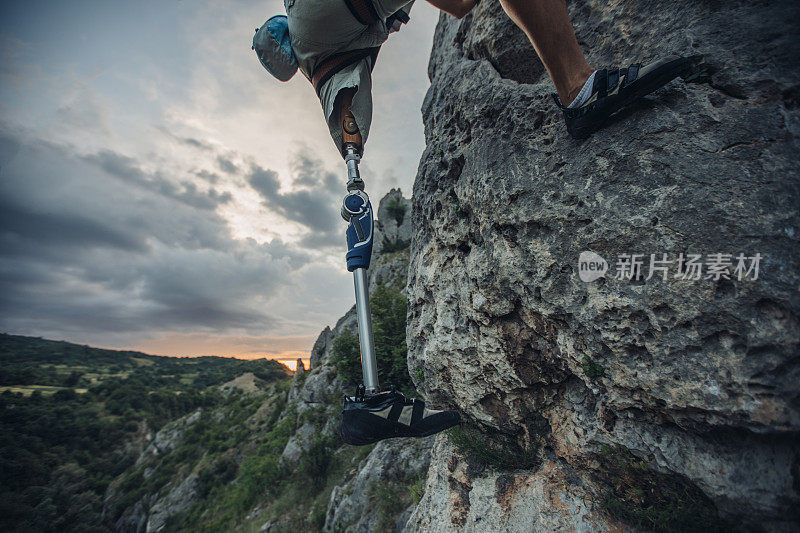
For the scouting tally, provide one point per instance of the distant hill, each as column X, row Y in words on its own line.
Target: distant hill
column 36, row 362
column 73, row 418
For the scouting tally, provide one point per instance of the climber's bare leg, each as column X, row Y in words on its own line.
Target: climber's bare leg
column 547, row 25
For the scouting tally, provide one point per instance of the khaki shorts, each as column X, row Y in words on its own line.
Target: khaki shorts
column 321, row 28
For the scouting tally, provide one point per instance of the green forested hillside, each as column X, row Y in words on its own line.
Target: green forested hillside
column 74, row 418
column 103, row 440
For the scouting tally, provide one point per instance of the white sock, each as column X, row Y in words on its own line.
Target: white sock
column 585, row 94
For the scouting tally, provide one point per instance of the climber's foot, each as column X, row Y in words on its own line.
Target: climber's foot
column 613, row 89
column 386, row 415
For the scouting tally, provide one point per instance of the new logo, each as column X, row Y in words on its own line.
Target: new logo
column 591, row 266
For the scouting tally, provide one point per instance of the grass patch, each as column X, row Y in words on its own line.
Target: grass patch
column 497, row 450
column 417, row 490
column 650, row 500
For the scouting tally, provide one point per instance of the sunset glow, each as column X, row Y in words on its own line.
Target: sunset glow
column 291, row 364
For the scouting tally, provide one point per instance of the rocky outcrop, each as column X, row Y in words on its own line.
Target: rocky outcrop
column 392, row 239
column 353, row 506
column 698, row 378
column 178, row 500
column 462, row 496
column 168, row 437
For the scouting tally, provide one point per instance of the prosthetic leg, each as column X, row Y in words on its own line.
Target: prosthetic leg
column 357, row 212
column 372, row 415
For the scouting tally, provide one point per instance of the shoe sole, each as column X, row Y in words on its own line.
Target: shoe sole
column 397, row 430
column 652, row 81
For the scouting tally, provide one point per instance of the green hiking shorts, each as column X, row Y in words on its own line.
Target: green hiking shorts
column 321, row 28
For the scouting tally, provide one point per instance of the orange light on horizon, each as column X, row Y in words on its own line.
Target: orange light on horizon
column 291, row 364
column 289, row 347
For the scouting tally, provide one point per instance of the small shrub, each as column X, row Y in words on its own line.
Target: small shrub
column 389, row 308
column 317, row 516
column 592, row 369
column 418, row 488
column 316, row 416
column 396, row 209
column 347, row 357
column 216, row 475
column 316, row 461
column 494, row 449
column 395, row 245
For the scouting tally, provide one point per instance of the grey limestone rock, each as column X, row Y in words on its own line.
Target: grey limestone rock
column 350, row 507
column 177, row 500
column 168, row 437
column 699, row 378
column 458, row 497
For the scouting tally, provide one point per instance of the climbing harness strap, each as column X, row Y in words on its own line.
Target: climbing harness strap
column 362, row 10
column 337, row 62
column 365, row 13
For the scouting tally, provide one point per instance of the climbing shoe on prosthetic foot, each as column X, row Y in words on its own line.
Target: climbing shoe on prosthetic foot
column 368, row 418
column 609, row 90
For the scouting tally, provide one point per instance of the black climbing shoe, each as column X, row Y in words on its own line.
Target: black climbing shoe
column 373, row 417
column 614, row 89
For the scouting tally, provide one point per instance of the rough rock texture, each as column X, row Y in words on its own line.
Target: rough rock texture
column 393, row 223
column 351, row 508
column 460, row 496
column 168, row 437
column 696, row 377
column 177, row 500
column 392, row 238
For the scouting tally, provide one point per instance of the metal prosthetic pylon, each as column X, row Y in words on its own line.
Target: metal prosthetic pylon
column 357, row 212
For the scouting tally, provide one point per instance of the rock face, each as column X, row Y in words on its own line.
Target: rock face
column 699, row 378
column 177, row 500
column 168, row 437
column 460, row 498
column 392, row 239
column 352, row 506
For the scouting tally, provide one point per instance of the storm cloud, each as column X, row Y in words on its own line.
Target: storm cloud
column 94, row 243
column 312, row 200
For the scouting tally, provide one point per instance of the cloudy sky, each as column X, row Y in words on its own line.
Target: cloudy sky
column 160, row 192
